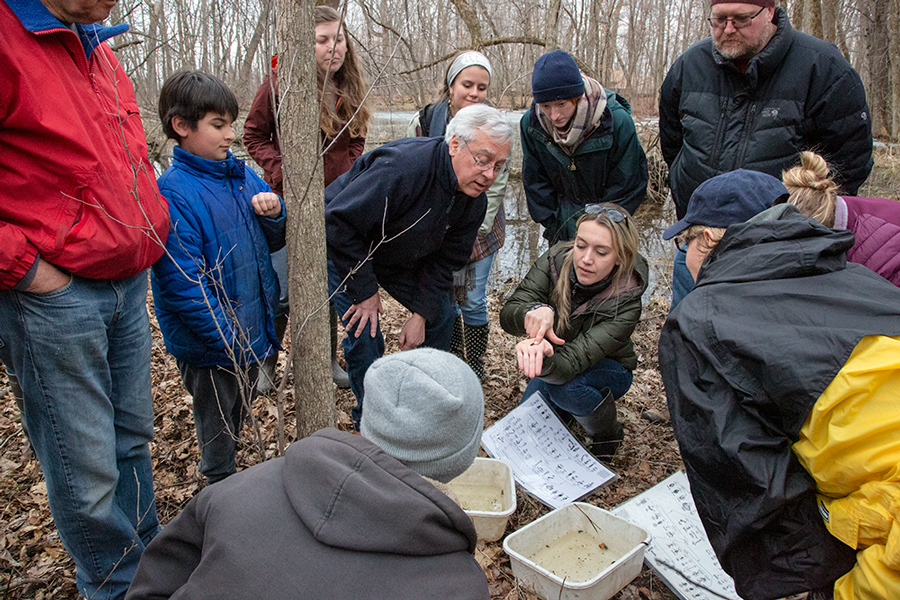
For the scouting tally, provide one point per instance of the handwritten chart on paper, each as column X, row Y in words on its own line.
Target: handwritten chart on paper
column 546, row 460
column 680, row 550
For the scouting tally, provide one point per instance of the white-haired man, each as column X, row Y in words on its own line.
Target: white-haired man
column 404, row 217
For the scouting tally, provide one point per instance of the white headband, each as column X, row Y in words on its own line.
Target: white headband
column 467, row 59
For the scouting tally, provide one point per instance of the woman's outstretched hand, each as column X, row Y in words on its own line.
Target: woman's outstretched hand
column 539, row 324
column 530, row 355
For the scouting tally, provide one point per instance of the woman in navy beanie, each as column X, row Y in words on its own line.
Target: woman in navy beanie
column 580, row 147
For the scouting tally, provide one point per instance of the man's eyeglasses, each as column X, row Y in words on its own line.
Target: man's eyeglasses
column 615, row 215
column 500, row 167
column 683, row 243
column 739, row 22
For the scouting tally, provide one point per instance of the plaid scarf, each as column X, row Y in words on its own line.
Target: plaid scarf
column 586, row 119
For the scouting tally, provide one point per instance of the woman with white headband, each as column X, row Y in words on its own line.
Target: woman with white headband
column 466, row 82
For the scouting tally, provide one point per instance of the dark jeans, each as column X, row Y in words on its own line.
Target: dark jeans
column 360, row 352
column 222, row 398
column 582, row 395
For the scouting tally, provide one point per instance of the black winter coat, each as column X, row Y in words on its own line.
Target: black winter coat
column 335, row 518
column 799, row 93
column 401, row 200
column 609, row 166
column 744, row 357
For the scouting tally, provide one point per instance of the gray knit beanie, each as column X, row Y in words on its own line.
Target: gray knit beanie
column 425, row 408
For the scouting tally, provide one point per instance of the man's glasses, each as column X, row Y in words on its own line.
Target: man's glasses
column 615, row 215
column 683, row 244
column 739, row 22
column 500, row 167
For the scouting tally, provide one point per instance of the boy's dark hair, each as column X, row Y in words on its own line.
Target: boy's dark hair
column 192, row 94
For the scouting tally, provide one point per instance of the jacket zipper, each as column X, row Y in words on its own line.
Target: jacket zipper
column 748, row 128
column 718, row 138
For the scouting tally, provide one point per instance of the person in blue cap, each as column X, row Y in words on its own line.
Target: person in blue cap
column 782, row 373
column 580, row 147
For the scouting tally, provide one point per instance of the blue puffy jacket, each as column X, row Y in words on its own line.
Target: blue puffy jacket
column 214, row 289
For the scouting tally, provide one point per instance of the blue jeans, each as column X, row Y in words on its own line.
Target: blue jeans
column 221, row 399
column 82, row 356
column 360, row 352
column 682, row 280
column 582, row 395
column 474, row 311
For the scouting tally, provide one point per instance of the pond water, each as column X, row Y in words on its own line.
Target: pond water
column 524, row 243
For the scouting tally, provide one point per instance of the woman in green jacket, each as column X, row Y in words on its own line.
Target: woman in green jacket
column 579, row 305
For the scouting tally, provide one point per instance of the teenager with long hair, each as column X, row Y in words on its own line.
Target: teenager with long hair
column 343, row 120
column 579, row 305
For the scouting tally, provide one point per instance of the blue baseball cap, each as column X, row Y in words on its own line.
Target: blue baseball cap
column 729, row 198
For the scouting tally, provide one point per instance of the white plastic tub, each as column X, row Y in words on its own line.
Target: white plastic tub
column 487, row 493
column 577, row 551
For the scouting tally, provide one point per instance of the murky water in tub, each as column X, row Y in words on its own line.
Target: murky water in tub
column 576, row 557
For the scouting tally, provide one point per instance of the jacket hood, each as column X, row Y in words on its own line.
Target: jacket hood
column 352, row 495
column 766, row 248
column 231, row 167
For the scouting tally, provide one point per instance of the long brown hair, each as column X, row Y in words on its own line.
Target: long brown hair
column 812, row 190
column 624, row 236
column 349, row 85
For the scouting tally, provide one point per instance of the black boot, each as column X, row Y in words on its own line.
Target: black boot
column 476, row 345
column 457, row 345
column 338, row 374
column 603, row 427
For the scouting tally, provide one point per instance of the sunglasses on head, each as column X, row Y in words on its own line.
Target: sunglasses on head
column 615, row 215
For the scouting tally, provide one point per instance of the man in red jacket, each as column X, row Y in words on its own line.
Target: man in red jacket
column 81, row 219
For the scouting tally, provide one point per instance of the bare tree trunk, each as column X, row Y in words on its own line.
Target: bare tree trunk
column 262, row 24
column 303, row 190
column 894, row 56
column 814, row 18
column 551, row 34
column 470, row 18
column 829, row 20
column 879, row 92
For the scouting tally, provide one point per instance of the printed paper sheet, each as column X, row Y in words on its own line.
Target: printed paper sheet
column 546, row 460
column 679, row 552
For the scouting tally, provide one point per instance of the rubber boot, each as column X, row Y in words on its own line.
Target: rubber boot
column 457, row 340
column 603, row 427
column 266, row 381
column 476, row 341
column 338, row 374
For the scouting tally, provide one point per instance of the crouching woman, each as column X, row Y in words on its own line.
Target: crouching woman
column 579, row 305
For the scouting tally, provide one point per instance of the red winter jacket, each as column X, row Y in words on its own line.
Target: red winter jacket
column 76, row 187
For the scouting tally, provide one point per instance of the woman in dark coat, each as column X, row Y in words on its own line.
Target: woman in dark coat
column 579, row 145
column 579, row 305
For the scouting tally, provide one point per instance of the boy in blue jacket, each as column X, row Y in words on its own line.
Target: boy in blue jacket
column 214, row 289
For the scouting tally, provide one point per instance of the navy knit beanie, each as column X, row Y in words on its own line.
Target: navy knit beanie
column 556, row 77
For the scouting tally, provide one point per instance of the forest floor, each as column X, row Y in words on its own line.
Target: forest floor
column 34, row 564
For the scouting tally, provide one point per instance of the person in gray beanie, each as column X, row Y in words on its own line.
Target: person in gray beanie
column 342, row 515
column 580, row 147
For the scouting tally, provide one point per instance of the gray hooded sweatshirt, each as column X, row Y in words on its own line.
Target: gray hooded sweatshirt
column 335, row 518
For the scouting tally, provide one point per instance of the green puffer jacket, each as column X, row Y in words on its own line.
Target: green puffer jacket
column 600, row 328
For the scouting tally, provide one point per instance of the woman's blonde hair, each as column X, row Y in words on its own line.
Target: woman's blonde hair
column 349, row 85
column 624, row 236
column 812, row 190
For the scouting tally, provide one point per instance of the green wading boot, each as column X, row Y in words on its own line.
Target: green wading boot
column 603, row 428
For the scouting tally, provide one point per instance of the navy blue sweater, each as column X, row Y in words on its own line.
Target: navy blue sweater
column 401, row 202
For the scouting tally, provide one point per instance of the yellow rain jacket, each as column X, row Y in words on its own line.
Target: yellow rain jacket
column 850, row 444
